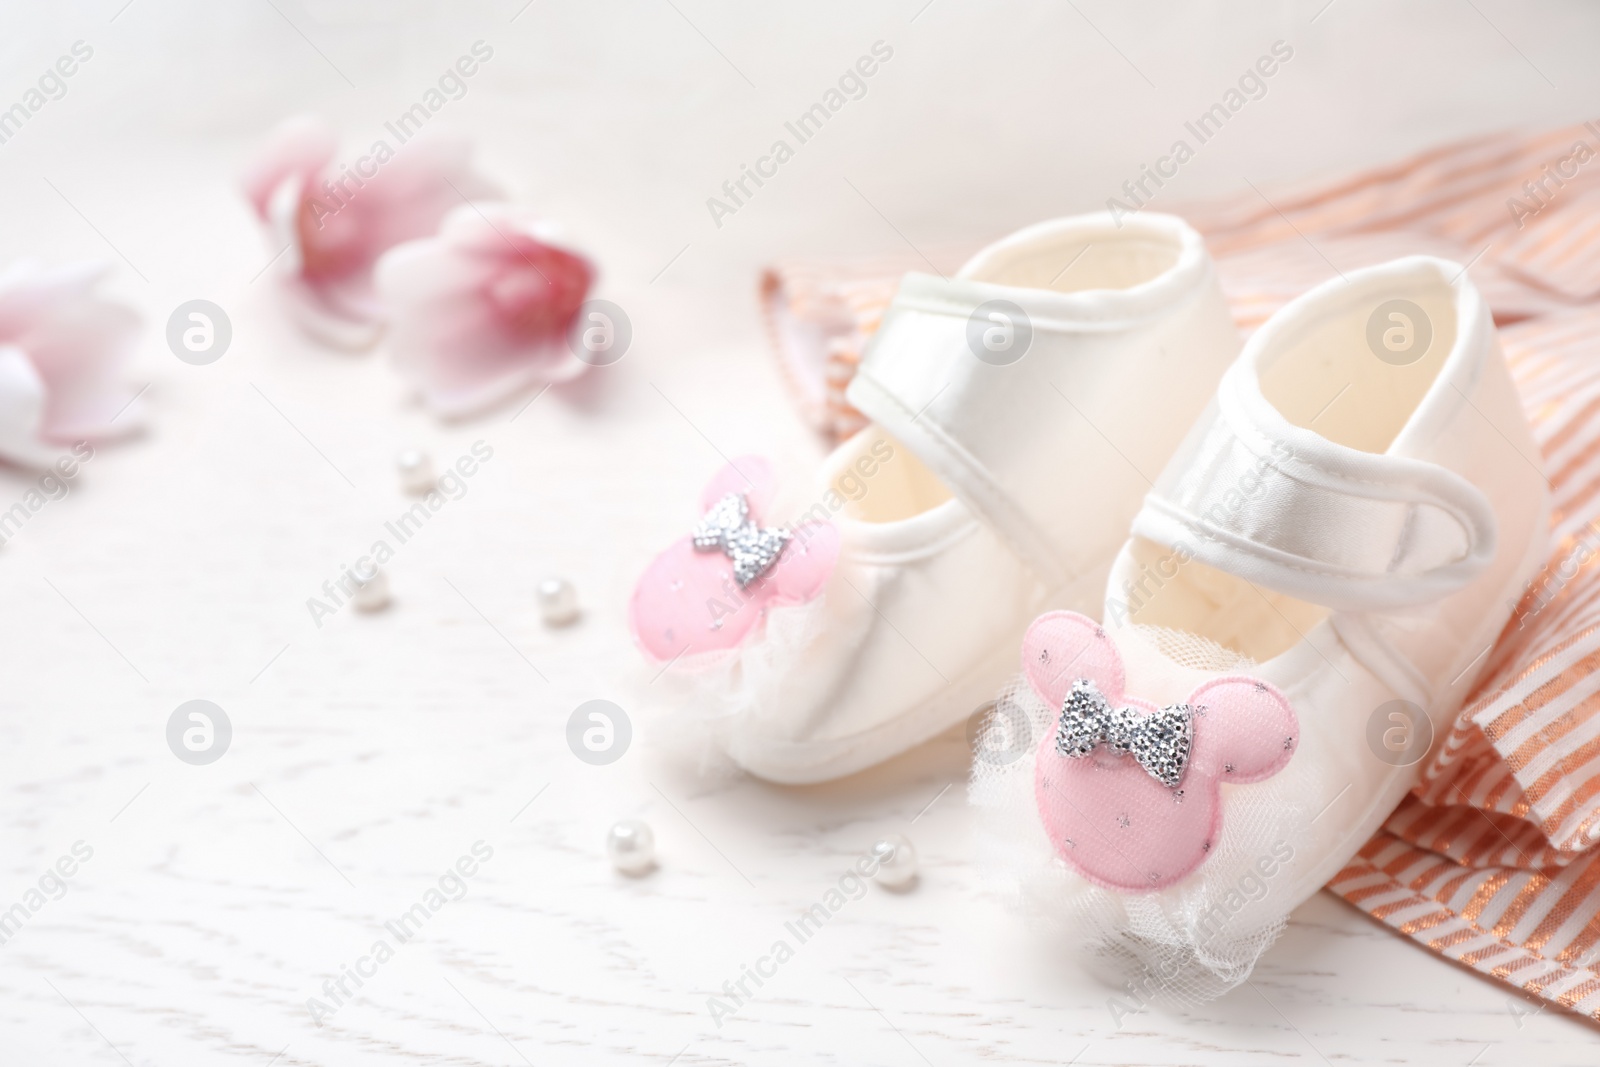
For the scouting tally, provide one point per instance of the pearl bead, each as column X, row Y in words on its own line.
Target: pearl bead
column 558, row 601
column 371, row 588
column 897, row 862
column 416, row 472
column 631, row 846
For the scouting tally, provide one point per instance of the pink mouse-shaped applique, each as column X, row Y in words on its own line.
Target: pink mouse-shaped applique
column 712, row 590
column 1130, row 794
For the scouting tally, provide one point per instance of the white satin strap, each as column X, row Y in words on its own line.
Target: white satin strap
column 999, row 427
column 1294, row 512
column 921, row 382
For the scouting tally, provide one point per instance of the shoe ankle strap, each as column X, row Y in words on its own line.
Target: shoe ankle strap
column 921, row 382
column 1283, row 507
column 975, row 379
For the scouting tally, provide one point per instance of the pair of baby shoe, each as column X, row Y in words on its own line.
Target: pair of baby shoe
column 1248, row 586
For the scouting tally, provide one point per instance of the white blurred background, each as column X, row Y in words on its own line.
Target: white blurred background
column 620, row 117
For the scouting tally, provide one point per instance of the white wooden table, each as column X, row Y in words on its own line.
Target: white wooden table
column 369, row 755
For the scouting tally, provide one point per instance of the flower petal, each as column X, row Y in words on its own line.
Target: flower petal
column 77, row 345
column 21, row 410
column 482, row 310
column 299, row 147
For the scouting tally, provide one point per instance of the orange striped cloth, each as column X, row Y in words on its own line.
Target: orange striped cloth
column 819, row 317
column 1494, row 859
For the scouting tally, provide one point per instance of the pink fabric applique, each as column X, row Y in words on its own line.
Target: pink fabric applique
column 1108, row 815
column 689, row 600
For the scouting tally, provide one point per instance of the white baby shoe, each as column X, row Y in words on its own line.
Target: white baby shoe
column 1019, row 411
column 1312, row 588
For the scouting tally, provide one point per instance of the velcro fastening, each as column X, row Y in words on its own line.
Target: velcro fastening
column 920, row 386
column 1034, row 407
column 1351, row 530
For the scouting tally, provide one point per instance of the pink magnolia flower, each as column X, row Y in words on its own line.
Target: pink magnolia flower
column 63, row 349
column 483, row 310
column 337, row 221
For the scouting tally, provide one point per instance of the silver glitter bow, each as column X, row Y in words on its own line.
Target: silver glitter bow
column 728, row 528
column 1160, row 741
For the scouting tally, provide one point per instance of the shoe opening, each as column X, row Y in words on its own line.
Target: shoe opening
column 880, row 480
column 1157, row 586
column 1078, row 264
column 1093, row 253
column 1354, row 367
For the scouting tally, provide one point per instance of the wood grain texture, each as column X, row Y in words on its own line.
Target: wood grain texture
column 371, row 753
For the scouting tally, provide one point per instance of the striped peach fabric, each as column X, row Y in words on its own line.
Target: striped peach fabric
column 819, row 317
column 1494, row 860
